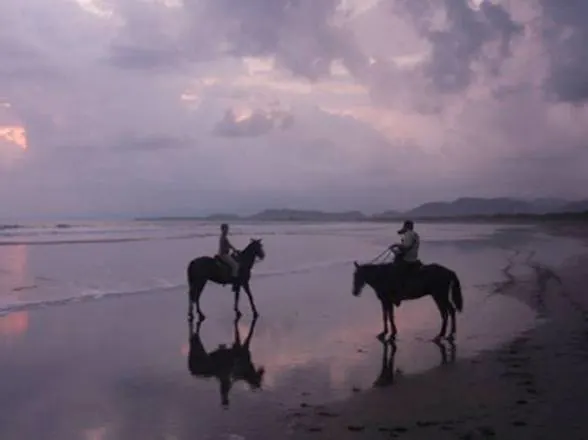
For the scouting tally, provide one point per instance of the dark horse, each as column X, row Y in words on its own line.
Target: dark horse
column 430, row 279
column 206, row 268
column 228, row 365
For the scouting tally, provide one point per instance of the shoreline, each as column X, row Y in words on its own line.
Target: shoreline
column 118, row 369
column 531, row 387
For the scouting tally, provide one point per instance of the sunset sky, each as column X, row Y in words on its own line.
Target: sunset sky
column 170, row 107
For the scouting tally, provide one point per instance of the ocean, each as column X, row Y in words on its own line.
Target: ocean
column 56, row 264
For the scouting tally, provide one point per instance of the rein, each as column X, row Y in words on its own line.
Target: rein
column 383, row 254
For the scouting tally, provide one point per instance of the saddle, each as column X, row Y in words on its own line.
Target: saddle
column 408, row 271
column 224, row 266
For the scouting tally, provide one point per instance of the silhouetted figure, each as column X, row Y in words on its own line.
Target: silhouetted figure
column 224, row 253
column 406, row 258
column 227, row 365
column 431, row 279
column 206, row 268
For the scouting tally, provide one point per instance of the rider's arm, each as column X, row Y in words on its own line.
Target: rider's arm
column 233, row 248
column 405, row 243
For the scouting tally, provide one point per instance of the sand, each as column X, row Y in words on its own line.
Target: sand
column 118, row 368
column 533, row 387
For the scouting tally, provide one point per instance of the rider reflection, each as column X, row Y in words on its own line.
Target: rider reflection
column 227, row 365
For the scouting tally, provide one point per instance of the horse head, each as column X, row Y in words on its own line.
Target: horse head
column 257, row 248
column 358, row 279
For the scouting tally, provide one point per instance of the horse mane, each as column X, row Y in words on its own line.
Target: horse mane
column 251, row 243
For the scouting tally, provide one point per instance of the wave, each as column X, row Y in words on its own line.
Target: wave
column 76, row 234
column 96, row 295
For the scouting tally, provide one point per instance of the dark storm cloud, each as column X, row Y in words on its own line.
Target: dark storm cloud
column 565, row 35
column 463, row 40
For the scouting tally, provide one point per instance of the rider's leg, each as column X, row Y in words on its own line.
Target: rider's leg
column 402, row 274
column 234, row 266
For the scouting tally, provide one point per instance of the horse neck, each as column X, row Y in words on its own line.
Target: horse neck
column 372, row 275
column 247, row 256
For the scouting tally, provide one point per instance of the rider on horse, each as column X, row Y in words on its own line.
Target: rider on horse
column 406, row 256
column 224, row 251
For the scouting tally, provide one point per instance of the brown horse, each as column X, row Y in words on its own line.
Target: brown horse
column 206, row 268
column 430, row 279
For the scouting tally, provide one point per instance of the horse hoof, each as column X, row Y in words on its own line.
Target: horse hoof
column 437, row 339
column 392, row 339
column 201, row 317
column 381, row 336
column 238, row 314
column 255, row 314
column 450, row 338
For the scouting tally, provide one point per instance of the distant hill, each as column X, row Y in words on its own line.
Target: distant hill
column 306, row 215
column 465, row 208
column 222, row 217
column 470, row 206
column 545, row 204
column 388, row 215
column 579, row 206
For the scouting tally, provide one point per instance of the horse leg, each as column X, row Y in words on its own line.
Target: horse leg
column 250, row 296
column 392, row 322
column 442, row 306
column 195, row 292
column 237, row 290
column 382, row 335
column 453, row 329
column 190, row 310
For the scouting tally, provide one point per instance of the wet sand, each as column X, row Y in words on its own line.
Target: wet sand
column 532, row 387
column 119, row 369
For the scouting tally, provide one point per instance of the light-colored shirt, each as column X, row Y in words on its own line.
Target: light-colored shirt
column 411, row 241
column 224, row 247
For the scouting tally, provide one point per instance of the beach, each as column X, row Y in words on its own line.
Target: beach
column 100, row 347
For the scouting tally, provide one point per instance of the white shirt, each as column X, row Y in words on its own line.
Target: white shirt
column 411, row 239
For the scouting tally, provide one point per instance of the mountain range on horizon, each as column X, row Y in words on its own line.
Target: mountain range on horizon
column 460, row 207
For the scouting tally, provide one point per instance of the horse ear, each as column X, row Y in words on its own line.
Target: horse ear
column 356, row 265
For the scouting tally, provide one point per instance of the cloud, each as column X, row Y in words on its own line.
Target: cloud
column 252, row 123
column 127, row 105
column 565, row 35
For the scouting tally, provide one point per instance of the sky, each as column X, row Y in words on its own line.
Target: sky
column 181, row 107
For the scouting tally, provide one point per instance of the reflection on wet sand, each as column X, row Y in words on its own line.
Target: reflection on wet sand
column 14, row 325
column 227, row 365
column 447, row 352
column 14, row 269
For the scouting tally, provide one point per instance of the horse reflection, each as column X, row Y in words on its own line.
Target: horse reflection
column 227, row 365
column 447, row 352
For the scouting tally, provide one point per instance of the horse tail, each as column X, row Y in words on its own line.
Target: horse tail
column 456, row 296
